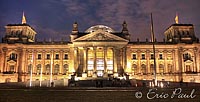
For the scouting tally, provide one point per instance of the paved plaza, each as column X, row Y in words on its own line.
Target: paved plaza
column 105, row 94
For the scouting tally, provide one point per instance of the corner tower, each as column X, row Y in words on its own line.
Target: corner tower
column 180, row 33
column 19, row 33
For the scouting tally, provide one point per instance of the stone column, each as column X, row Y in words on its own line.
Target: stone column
column 26, row 61
column 174, row 60
column 157, row 60
column 61, row 62
column 34, row 62
column 166, row 69
column 139, row 64
column 105, row 59
column 180, row 56
column 197, row 60
column 148, row 62
column 115, row 59
column 20, row 60
column 85, row 59
column 76, row 62
column 95, row 57
column 43, row 61
column 1, row 61
column 52, row 62
column 180, row 61
column 125, row 59
column 195, row 49
column 4, row 49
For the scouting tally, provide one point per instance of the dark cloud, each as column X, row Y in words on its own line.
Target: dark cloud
column 54, row 18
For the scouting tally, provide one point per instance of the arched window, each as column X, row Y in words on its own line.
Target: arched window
column 188, row 68
column 12, row 33
column 65, row 68
column 29, row 68
column 143, row 66
column 188, row 33
column 183, row 33
column 134, row 68
column 187, row 56
column 169, row 66
column 152, row 68
column 38, row 68
column 56, row 69
column 47, row 68
column 12, row 68
column 18, row 33
column 161, row 68
column 13, row 56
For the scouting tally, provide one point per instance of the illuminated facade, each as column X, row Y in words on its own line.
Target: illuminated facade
column 99, row 52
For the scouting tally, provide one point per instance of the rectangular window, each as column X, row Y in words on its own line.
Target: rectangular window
column 48, row 56
column 66, row 56
column 39, row 56
column 143, row 56
column 152, row 56
column 57, row 56
column 160, row 56
column 134, row 56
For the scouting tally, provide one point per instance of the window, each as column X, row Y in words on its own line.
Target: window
column 29, row 68
column 152, row 56
column 47, row 69
column 134, row 68
column 12, row 68
column 56, row 69
column 187, row 56
column 13, row 56
column 188, row 68
column 169, row 66
column 48, row 56
column 152, row 68
column 160, row 56
column 143, row 66
column 57, row 56
column 134, row 56
column 38, row 68
column 39, row 56
column 143, row 56
column 65, row 69
column 161, row 68
column 66, row 56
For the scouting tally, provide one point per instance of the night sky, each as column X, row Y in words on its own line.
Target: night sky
column 54, row 18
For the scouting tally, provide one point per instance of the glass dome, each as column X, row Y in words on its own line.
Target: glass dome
column 97, row 27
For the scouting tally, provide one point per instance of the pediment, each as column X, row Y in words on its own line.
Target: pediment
column 100, row 36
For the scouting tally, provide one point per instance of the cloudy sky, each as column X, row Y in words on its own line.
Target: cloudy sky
column 54, row 18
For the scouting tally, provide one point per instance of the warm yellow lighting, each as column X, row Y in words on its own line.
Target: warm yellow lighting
column 129, row 65
column 76, row 78
column 161, row 84
column 84, row 75
column 115, row 75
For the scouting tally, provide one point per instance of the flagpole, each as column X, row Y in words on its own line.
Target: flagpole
column 41, row 77
column 154, row 52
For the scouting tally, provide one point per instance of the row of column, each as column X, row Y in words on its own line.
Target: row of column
column 43, row 63
column 148, row 62
column 85, row 58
